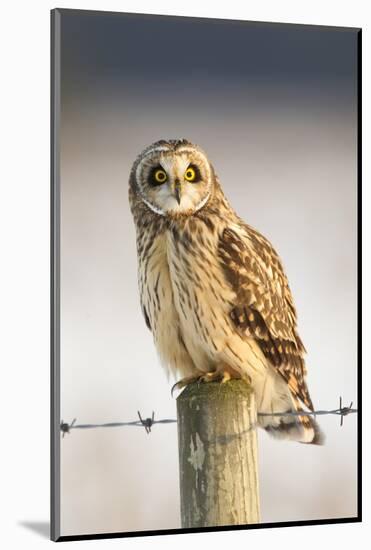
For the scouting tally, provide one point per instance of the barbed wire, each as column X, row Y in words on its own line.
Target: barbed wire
column 147, row 423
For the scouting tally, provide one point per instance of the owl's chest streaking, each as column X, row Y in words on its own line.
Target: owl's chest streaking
column 185, row 297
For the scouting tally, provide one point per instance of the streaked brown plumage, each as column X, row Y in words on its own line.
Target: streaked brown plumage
column 213, row 290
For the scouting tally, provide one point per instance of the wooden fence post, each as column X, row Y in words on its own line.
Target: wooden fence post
column 218, row 459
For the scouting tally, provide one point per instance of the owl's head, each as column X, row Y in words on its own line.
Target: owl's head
column 173, row 178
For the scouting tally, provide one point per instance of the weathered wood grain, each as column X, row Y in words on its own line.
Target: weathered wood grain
column 218, row 456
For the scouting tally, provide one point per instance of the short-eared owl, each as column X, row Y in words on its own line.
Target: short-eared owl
column 212, row 289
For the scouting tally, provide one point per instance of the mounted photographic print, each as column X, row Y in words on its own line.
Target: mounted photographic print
column 205, row 209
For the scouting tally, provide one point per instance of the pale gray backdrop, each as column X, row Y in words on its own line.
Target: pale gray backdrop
column 275, row 109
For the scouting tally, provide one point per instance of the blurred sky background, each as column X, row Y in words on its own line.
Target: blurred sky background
column 274, row 107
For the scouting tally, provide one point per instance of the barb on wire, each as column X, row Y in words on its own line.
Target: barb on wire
column 147, row 423
column 65, row 428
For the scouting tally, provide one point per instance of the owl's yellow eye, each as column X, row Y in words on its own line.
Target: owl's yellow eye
column 190, row 174
column 160, row 176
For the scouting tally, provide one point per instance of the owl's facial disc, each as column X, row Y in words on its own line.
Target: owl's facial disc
column 173, row 183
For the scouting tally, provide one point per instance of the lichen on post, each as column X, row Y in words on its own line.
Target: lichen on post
column 218, row 454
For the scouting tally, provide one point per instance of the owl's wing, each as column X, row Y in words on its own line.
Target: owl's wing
column 264, row 307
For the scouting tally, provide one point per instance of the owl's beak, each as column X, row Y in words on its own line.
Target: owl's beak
column 177, row 191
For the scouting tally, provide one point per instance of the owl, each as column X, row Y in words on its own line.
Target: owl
column 213, row 290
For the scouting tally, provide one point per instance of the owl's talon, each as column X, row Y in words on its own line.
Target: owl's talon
column 209, row 376
column 174, row 387
column 226, row 376
column 216, row 376
column 184, row 382
column 221, row 376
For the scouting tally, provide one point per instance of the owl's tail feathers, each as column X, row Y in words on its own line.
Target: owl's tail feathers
column 301, row 428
